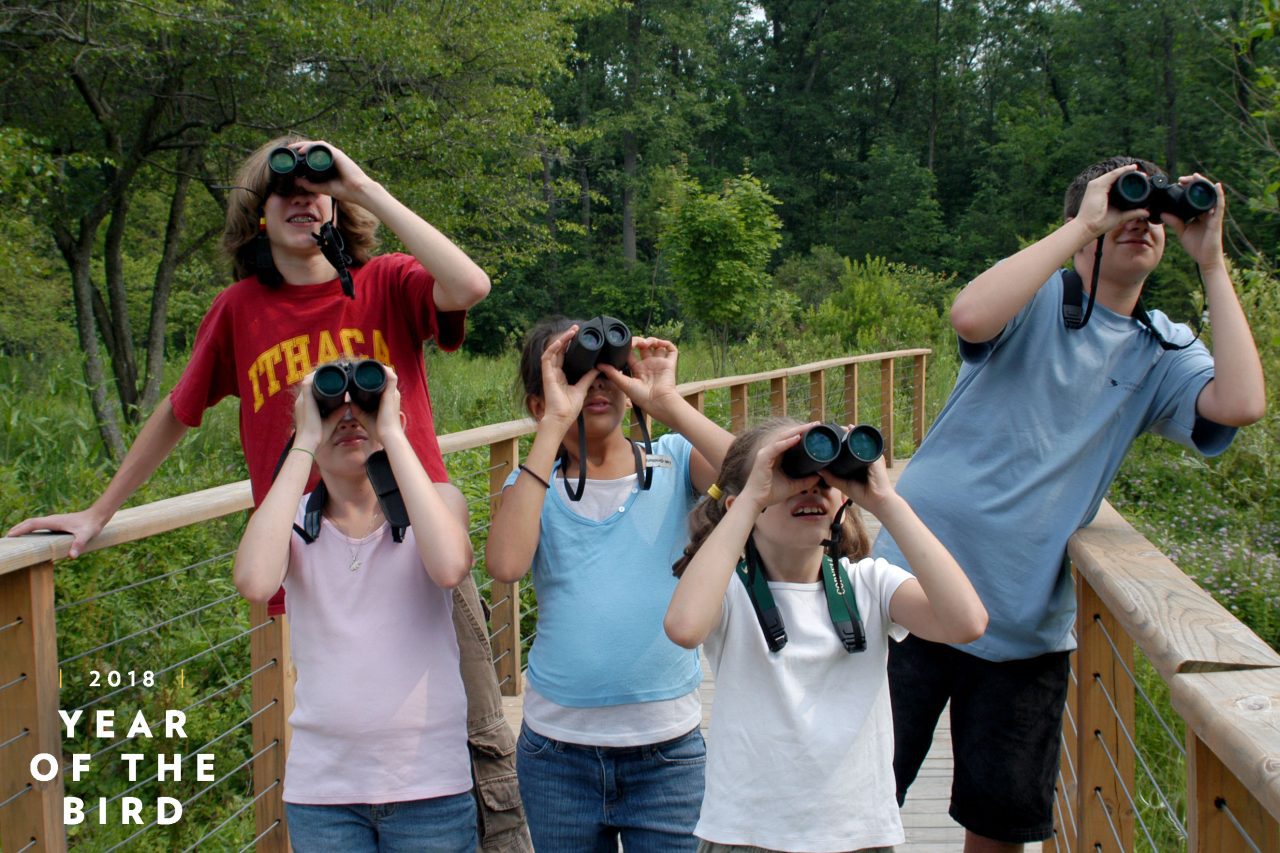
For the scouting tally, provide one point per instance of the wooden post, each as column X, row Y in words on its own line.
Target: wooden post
column 1102, row 803
column 29, row 665
column 778, row 396
column 1209, row 829
column 851, row 392
column 1065, row 829
column 272, row 690
column 818, row 395
column 504, row 598
column 886, row 408
column 738, row 408
column 636, row 435
column 917, row 402
column 698, row 400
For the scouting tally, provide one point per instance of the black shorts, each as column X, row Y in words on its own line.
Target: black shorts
column 1006, row 729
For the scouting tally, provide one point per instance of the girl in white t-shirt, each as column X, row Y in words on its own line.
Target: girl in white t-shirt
column 378, row 759
column 800, row 747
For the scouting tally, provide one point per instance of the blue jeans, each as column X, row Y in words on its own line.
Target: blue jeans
column 582, row 799
column 437, row 825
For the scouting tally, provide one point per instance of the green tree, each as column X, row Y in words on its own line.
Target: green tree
column 717, row 246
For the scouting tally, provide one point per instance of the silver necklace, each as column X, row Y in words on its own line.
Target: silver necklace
column 357, row 561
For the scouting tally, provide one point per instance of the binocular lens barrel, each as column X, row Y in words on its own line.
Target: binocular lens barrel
column 364, row 380
column 602, row 340
column 1133, row 188
column 316, row 164
column 282, row 160
column 830, row 447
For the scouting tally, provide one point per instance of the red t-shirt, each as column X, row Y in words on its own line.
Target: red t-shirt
column 255, row 342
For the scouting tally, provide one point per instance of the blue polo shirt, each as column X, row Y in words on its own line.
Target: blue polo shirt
column 1026, row 447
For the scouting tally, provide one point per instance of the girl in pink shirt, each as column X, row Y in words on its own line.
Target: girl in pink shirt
column 378, row 759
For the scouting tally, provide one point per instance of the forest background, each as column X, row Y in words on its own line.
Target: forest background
column 767, row 183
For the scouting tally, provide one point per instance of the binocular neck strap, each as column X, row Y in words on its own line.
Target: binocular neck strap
column 333, row 247
column 1072, row 298
column 751, row 572
column 644, row 475
column 841, row 603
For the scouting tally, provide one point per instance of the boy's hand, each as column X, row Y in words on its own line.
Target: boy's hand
column 1096, row 213
column 350, row 182
column 1202, row 238
column 652, row 382
column 82, row 525
column 562, row 401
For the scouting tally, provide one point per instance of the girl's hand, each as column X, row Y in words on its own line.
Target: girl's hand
column 349, row 182
column 1202, row 238
column 311, row 429
column 653, row 373
column 561, row 400
column 873, row 493
column 1096, row 212
column 386, row 422
column 767, row 485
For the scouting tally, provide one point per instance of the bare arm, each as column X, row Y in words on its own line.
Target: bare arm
column 154, row 443
column 516, row 528
column 460, row 283
column 987, row 304
column 1236, row 396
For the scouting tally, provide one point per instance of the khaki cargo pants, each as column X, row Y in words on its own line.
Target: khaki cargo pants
column 493, row 746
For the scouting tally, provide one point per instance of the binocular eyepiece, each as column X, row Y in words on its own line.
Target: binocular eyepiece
column 364, row 380
column 846, row 454
column 603, row 340
column 316, row 164
column 1159, row 194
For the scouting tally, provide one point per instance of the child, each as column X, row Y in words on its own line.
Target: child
column 800, row 743
column 610, row 744
column 378, row 759
column 287, row 313
column 1020, row 457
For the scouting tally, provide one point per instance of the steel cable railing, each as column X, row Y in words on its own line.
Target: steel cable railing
column 1124, row 789
column 144, row 582
column 1222, row 806
column 149, row 629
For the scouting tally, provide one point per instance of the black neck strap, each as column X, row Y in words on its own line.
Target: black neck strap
column 1073, row 298
column 334, row 249
column 378, row 467
column 644, row 474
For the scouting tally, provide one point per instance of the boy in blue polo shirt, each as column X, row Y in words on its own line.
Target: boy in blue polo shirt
column 1021, row 456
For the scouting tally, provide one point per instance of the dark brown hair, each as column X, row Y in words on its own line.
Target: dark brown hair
column 358, row 226
column 1075, row 192
column 738, row 461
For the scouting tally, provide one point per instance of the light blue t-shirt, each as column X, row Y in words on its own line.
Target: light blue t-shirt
column 1024, row 450
column 603, row 589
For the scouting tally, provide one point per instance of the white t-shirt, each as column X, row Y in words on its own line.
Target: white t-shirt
column 800, row 747
column 380, row 715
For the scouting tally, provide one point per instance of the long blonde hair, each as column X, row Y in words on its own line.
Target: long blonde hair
column 358, row 226
column 738, row 461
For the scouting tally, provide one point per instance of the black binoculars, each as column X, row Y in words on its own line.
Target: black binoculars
column 603, row 340
column 1159, row 194
column 315, row 164
column 846, row 454
column 364, row 380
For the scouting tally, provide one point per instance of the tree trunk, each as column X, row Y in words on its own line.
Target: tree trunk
column 171, row 257
column 629, row 160
column 120, row 342
column 79, row 258
column 1170, row 97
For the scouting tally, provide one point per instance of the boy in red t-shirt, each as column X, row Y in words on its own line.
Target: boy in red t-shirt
column 289, row 313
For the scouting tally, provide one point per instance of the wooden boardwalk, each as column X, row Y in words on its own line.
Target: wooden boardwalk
column 929, row 828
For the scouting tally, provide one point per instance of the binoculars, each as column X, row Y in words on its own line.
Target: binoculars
column 364, row 380
column 845, row 454
column 603, row 340
column 1159, row 194
column 315, row 164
